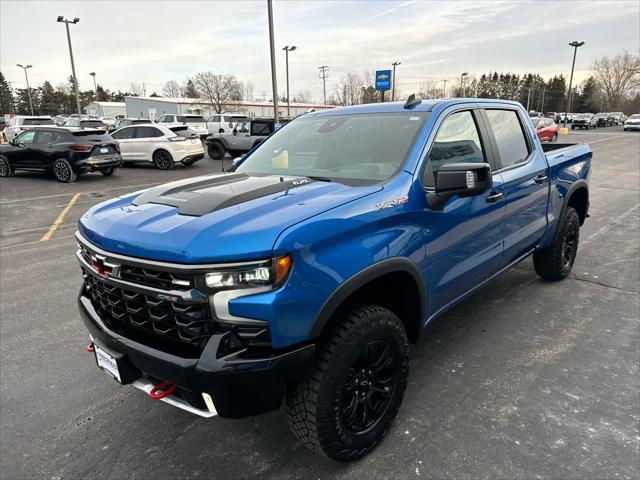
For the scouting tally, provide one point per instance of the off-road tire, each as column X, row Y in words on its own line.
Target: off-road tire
column 315, row 404
column 6, row 169
column 63, row 172
column 216, row 151
column 555, row 261
column 163, row 160
column 107, row 172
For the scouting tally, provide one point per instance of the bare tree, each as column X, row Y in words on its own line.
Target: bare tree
column 171, row 89
column 136, row 89
column 217, row 90
column 429, row 89
column 619, row 76
column 303, row 96
column 348, row 91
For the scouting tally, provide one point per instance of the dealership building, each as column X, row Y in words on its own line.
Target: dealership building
column 105, row 109
column 153, row 107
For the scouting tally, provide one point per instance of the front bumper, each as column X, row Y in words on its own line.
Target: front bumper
column 239, row 387
column 632, row 126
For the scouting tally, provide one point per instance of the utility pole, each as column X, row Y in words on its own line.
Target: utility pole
column 544, row 88
column 464, row 74
column 288, row 49
column 61, row 19
column 95, row 87
column 393, row 85
column 272, row 48
column 26, row 77
column 324, row 74
column 444, row 88
column 575, row 44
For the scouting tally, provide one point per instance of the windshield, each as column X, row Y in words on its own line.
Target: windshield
column 583, row 115
column 600, row 115
column 369, row 147
column 37, row 121
column 635, row 117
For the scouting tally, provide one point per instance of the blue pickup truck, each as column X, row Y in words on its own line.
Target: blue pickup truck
column 302, row 276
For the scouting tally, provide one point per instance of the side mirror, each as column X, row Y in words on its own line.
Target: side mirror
column 461, row 179
column 21, row 145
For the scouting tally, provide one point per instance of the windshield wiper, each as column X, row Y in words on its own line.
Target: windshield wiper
column 320, row 179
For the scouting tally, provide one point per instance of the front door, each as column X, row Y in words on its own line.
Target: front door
column 23, row 155
column 464, row 239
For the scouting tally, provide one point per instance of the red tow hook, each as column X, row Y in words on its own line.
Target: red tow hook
column 90, row 348
column 162, row 390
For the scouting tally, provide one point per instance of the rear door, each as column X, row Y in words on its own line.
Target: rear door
column 525, row 174
column 146, row 139
column 42, row 146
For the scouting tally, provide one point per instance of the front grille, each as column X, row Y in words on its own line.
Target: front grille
column 126, row 309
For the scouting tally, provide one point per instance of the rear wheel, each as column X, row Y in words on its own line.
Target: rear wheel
column 63, row 172
column 555, row 261
column 216, row 151
column 163, row 160
column 348, row 402
column 6, row 170
column 107, row 172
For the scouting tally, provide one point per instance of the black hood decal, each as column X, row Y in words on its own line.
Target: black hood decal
column 205, row 195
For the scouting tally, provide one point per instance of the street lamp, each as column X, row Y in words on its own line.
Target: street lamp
column 272, row 51
column 288, row 49
column 393, row 85
column 61, row 19
column 95, row 87
column 26, row 77
column 464, row 74
column 575, row 44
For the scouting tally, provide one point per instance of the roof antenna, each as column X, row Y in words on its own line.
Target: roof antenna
column 411, row 101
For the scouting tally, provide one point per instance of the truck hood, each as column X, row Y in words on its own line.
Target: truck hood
column 214, row 218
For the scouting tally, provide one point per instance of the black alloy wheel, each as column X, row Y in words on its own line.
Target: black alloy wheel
column 5, row 167
column 163, row 160
column 569, row 245
column 368, row 389
column 63, row 171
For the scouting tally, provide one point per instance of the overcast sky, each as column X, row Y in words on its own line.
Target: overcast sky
column 151, row 41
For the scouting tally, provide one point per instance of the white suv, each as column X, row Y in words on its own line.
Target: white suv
column 20, row 123
column 159, row 144
column 223, row 123
column 194, row 122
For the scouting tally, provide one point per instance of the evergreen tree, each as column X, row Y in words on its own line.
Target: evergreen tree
column 49, row 104
column 189, row 90
column 6, row 98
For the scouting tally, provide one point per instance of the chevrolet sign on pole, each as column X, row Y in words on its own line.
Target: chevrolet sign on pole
column 383, row 81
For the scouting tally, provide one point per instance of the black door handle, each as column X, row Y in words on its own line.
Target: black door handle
column 540, row 179
column 494, row 197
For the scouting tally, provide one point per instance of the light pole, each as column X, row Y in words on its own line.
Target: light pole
column 324, row 74
column 464, row 74
column 95, row 87
column 26, row 77
column 61, row 19
column 272, row 48
column 575, row 44
column 444, row 88
column 393, row 85
column 288, row 49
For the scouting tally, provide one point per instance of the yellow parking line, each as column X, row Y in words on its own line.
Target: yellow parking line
column 58, row 221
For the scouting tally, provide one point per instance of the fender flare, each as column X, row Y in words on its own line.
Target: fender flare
column 580, row 183
column 372, row 272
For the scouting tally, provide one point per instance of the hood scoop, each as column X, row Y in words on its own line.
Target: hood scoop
column 200, row 196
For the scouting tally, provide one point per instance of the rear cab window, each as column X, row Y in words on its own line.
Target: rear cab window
column 511, row 141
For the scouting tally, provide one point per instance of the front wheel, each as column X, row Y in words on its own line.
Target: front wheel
column 346, row 405
column 555, row 261
column 216, row 151
column 163, row 160
column 63, row 172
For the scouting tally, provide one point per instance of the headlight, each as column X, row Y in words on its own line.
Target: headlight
column 269, row 273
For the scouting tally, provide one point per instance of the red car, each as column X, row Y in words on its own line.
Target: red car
column 546, row 129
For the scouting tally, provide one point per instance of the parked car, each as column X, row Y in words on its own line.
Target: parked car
column 617, row 118
column 245, row 135
column 159, row 144
column 81, row 124
column 303, row 276
column 546, row 129
column 20, row 123
column 60, row 120
column 223, row 123
column 108, row 120
column 584, row 120
column 123, row 122
column 632, row 123
column 603, row 119
column 553, row 116
column 196, row 123
column 60, row 151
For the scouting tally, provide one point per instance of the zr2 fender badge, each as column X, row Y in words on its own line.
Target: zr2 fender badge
column 392, row 203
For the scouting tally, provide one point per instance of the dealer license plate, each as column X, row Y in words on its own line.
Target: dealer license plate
column 107, row 362
column 104, row 150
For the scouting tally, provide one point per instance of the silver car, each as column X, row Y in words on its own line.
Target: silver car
column 20, row 123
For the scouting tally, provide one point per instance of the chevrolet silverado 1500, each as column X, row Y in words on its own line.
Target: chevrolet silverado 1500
column 302, row 276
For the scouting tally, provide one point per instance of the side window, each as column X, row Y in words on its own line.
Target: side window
column 26, row 137
column 179, row 118
column 123, row 134
column 242, row 127
column 457, row 141
column 510, row 139
column 147, row 132
column 162, row 119
column 216, row 118
column 44, row 136
column 260, row 128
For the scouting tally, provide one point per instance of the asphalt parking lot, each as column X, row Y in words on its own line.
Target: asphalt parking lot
column 525, row 379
